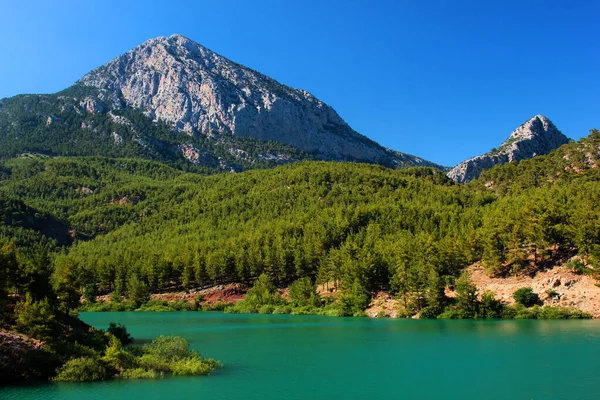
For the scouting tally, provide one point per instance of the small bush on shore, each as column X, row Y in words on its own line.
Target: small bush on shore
column 526, row 297
column 84, row 369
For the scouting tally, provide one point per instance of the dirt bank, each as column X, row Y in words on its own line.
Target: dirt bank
column 572, row 290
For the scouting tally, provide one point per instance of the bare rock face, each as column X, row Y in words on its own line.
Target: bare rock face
column 537, row 136
column 202, row 93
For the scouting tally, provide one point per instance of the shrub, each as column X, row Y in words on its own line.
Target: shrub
column 120, row 332
column 108, row 306
column 286, row 309
column 578, row 267
column 511, row 311
column 303, row 293
column 168, row 347
column 118, row 357
column 137, row 290
column 139, row 373
column 550, row 312
column 154, row 362
column 198, row 300
column 306, row 310
column 526, row 297
column 193, row 366
column 429, row 313
column 528, row 313
column 218, row 306
column 36, row 319
column 172, row 354
column 490, row 307
column 90, row 292
column 453, row 313
column 332, row 312
column 266, row 309
column 83, row 369
column 155, row 306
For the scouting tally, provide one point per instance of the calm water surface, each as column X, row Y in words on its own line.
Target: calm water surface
column 309, row 357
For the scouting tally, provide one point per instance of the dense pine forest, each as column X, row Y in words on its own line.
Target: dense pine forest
column 93, row 225
column 77, row 227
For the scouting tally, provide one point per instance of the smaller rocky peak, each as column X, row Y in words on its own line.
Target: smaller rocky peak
column 537, row 136
column 539, row 125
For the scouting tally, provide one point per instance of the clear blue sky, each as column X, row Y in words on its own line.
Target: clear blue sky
column 444, row 80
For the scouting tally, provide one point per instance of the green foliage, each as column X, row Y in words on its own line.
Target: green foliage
column 172, row 354
column 64, row 280
column 132, row 226
column 36, row 319
column 90, row 292
column 526, row 297
column 108, row 306
column 139, row 373
column 83, row 370
column 466, row 296
column 137, row 290
column 303, row 293
column 490, row 307
column 166, row 354
column 120, row 332
column 73, row 131
column 262, row 297
column 519, row 311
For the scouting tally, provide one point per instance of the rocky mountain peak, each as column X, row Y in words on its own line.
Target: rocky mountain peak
column 536, row 136
column 199, row 92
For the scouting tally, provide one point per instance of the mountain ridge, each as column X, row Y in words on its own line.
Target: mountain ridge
column 200, row 92
column 173, row 100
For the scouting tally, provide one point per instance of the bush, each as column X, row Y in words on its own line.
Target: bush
column 118, row 357
column 429, row 313
column 218, row 306
column 83, row 370
column 454, row 313
column 90, row 292
column 137, row 290
column 120, row 332
column 241, row 307
column 108, row 306
column 287, row 309
column 490, row 307
column 139, row 373
column 36, row 319
column 172, row 354
column 194, row 365
column 550, row 312
column 526, row 297
column 303, row 293
column 306, row 310
column 266, row 309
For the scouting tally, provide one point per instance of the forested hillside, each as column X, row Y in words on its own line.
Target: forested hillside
column 362, row 227
column 74, row 123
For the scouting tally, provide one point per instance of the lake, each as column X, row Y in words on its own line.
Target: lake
column 311, row 357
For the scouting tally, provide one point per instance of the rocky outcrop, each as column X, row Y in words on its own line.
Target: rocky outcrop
column 202, row 93
column 535, row 137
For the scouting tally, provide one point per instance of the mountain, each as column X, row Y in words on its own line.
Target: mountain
column 535, row 137
column 171, row 99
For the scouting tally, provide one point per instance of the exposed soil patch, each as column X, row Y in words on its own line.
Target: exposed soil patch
column 230, row 293
column 383, row 305
column 572, row 290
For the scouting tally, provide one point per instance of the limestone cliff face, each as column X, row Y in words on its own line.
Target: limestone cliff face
column 202, row 93
column 535, row 137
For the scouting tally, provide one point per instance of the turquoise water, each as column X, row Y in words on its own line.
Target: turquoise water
column 309, row 357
